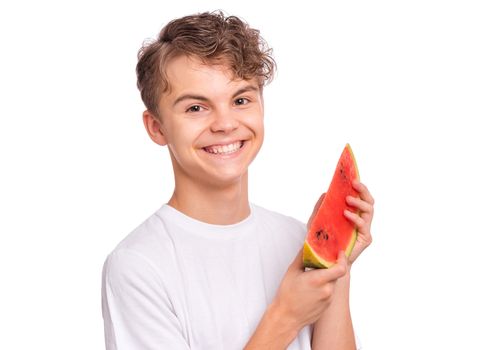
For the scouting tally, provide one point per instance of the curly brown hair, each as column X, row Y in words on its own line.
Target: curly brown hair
column 211, row 37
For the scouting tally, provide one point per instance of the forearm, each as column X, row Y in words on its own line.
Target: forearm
column 273, row 332
column 334, row 330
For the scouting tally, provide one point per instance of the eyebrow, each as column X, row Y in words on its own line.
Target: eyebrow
column 205, row 99
column 246, row 89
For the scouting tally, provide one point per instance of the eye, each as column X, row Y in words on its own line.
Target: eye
column 194, row 108
column 241, row 101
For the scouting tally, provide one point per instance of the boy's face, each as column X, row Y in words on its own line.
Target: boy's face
column 211, row 122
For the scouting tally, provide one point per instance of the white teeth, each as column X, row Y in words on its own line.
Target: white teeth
column 224, row 149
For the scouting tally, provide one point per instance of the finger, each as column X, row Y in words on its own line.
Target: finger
column 335, row 272
column 360, row 204
column 297, row 264
column 355, row 218
column 342, row 258
column 363, row 192
column 363, row 226
column 317, row 206
column 319, row 201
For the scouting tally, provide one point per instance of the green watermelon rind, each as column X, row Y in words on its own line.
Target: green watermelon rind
column 312, row 260
column 354, row 160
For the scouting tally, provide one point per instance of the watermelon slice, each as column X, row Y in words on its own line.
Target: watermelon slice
column 330, row 231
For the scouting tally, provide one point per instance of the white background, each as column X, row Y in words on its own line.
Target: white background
column 406, row 83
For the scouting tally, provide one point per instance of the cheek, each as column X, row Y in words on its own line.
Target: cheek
column 256, row 126
column 259, row 130
column 255, row 122
column 185, row 140
column 183, row 134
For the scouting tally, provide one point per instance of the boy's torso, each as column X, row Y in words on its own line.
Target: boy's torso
column 218, row 280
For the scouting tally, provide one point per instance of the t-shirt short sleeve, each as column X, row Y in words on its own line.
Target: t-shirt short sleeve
column 137, row 312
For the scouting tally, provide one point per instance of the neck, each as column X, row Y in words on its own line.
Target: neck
column 224, row 205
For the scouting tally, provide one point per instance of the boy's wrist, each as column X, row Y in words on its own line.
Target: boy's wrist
column 275, row 331
column 286, row 326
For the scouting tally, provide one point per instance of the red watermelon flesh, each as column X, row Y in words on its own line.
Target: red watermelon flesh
column 330, row 231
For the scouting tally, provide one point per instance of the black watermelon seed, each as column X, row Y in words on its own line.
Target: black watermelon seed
column 319, row 234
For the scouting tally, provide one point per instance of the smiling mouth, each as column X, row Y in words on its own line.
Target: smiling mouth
column 224, row 149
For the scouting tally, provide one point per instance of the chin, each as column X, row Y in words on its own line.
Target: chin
column 226, row 179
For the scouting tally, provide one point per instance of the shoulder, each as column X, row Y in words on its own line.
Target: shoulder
column 279, row 222
column 274, row 217
column 142, row 251
column 145, row 236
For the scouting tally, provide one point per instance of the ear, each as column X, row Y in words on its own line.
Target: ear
column 153, row 127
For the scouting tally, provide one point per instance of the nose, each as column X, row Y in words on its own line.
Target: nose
column 224, row 120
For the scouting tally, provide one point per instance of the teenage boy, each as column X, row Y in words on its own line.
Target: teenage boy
column 209, row 270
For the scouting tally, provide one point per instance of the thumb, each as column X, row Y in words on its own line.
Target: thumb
column 342, row 261
column 342, row 258
column 297, row 264
column 315, row 209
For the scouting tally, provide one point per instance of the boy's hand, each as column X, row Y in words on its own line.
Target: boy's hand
column 301, row 299
column 304, row 295
column 363, row 220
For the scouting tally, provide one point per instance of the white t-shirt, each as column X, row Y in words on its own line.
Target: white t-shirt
column 178, row 283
